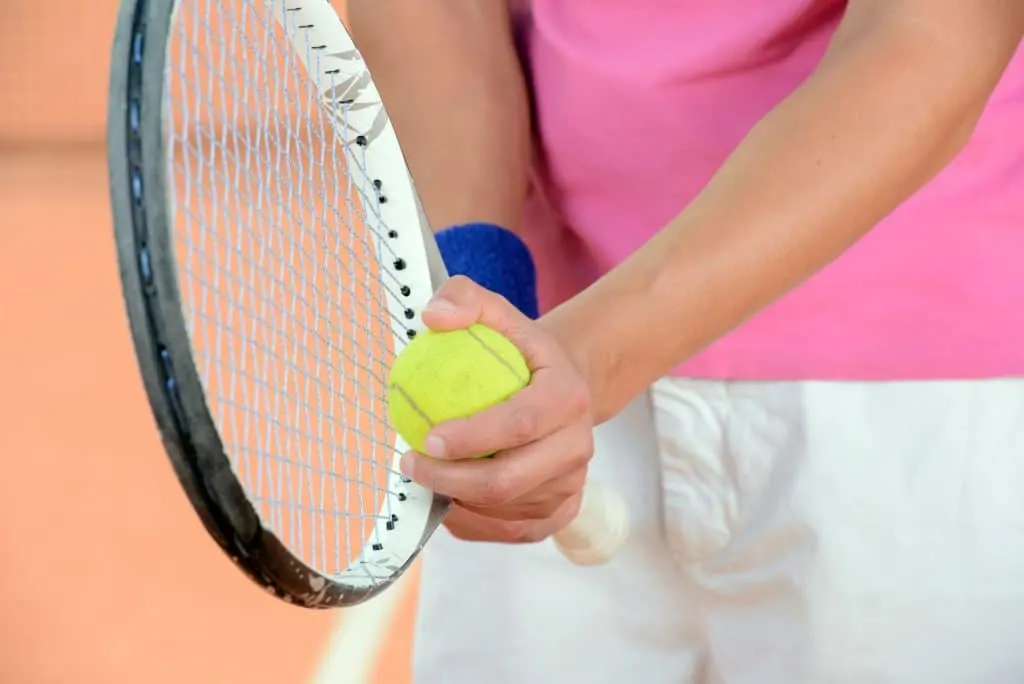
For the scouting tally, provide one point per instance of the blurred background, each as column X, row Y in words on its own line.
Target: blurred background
column 106, row 575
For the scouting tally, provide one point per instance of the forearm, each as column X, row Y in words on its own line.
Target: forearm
column 889, row 106
column 451, row 81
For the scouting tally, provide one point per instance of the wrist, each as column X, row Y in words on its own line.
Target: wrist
column 589, row 353
column 617, row 334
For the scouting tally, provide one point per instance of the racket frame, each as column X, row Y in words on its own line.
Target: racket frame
column 142, row 216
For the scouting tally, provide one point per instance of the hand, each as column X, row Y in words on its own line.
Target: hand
column 541, row 437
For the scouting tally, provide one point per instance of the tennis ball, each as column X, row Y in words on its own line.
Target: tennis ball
column 441, row 376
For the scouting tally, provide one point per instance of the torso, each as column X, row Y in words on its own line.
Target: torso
column 639, row 103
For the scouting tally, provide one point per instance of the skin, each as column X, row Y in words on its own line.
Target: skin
column 893, row 101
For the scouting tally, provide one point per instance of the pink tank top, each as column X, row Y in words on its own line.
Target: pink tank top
column 639, row 103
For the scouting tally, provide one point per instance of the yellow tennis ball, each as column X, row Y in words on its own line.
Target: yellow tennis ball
column 441, row 376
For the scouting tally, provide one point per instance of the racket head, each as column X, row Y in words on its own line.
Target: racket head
column 162, row 48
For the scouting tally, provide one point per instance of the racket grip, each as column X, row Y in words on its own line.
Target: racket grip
column 598, row 531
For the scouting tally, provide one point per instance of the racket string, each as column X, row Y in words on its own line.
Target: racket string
column 250, row 288
column 394, row 280
column 288, row 276
column 369, row 198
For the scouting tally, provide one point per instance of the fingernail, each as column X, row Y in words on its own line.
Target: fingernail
column 439, row 305
column 406, row 465
column 434, row 446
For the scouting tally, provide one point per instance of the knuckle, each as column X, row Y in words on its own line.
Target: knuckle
column 572, row 506
column 550, row 508
column 523, row 423
column 535, row 513
column 585, row 451
column 577, row 401
column 525, row 336
column 498, row 490
column 579, row 453
column 505, row 531
column 571, row 485
column 518, row 333
column 458, row 288
column 531, row 533
column 541, row 510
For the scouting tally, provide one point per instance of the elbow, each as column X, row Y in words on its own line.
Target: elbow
column 946, row 64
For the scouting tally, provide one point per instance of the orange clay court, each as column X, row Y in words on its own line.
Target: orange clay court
column 106, row 575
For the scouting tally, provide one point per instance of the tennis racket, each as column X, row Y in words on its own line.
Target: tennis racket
column 274, row 258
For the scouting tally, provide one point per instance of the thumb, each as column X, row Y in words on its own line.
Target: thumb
column 460, row 303
column 455, row 306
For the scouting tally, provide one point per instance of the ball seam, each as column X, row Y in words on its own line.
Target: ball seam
column 412, row 404
column 497, row 357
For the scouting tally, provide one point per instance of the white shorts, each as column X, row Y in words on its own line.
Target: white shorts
column 783, row 533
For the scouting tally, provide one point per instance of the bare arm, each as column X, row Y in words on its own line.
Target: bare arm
column 894, row 100
column 452, row 83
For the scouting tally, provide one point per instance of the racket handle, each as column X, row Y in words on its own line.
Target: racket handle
column 600, row 529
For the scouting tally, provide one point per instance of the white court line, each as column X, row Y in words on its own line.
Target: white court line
column 354, row 648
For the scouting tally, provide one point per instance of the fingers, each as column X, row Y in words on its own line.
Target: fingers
column 471, row 526
column 541, row 503
column 460, row 303
column 509, row 476
column 552, row 400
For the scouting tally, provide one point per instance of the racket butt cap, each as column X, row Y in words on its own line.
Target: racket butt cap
column 599, row 531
